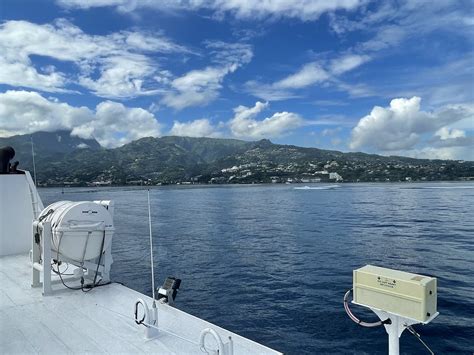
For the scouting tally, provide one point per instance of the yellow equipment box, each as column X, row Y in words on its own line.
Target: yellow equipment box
column 402, row 293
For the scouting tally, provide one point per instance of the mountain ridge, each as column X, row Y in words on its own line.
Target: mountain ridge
column 65, row 159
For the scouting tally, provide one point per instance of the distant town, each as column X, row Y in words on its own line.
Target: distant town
column 330, row 171
column 65, row 160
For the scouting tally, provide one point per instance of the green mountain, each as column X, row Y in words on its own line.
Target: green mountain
column 47, row 146
column 63, row 159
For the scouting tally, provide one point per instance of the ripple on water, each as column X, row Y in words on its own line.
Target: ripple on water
column 272, row 263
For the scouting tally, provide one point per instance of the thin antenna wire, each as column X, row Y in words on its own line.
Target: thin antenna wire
column 33, row 155
column 413, row 331
column 151, row 250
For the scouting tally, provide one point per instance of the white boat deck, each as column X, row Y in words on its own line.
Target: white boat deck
column 100, row 321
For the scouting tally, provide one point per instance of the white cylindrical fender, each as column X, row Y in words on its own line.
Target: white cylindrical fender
column 80, row 230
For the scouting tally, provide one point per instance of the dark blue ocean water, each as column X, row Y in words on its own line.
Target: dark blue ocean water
column 272, row 263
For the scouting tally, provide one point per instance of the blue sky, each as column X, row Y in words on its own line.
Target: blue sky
column 352, row 75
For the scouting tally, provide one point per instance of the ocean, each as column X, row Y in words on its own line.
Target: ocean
column 272, row 263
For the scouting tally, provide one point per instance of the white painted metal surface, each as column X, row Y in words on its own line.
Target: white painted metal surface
column 100, row 321
column 67, row 321
column 397, row 327
column 19, row 204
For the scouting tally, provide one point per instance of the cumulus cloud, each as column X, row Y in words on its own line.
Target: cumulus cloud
column 112, row 124
column 452, row 137
column 196, row 88
column 403, row 126
column 445, row 133
column 115, row 65
column 200, row 87
column 304, row 10
column 243, row 112
column 24, row 75
column 120, row 65
column 27, row 112
column 311, row 74
column 197, row 128
column 244, row 124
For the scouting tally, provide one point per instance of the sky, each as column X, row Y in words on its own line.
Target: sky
column 385, row 77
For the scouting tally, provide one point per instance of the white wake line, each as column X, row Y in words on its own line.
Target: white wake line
column 317, row 187
column 447, row 187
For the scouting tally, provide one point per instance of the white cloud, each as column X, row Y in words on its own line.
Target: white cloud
column 411, row 17
column 225, row 53
column 453, row 139
column 87, row 4
column 115, row 65
column 22, row 74
column 112, row 124
column 304, row 10
column 445, row 133
column 245, row 113
column 244, row 124
column 404, row 127
column 445, row 153
column 348, row 62
column 27, row 112
column 330, row 131
column 311, row 74
column 122, row 77
column 389, row 27
column 197, row 128
column 387, row 36
column 330, row 103
column 391, row 23
column 200, row 87
column 115, row 125
column 354, row 90
column 451, row 81
column 196, row 88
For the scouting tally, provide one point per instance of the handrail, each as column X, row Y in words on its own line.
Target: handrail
column 36, row 202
